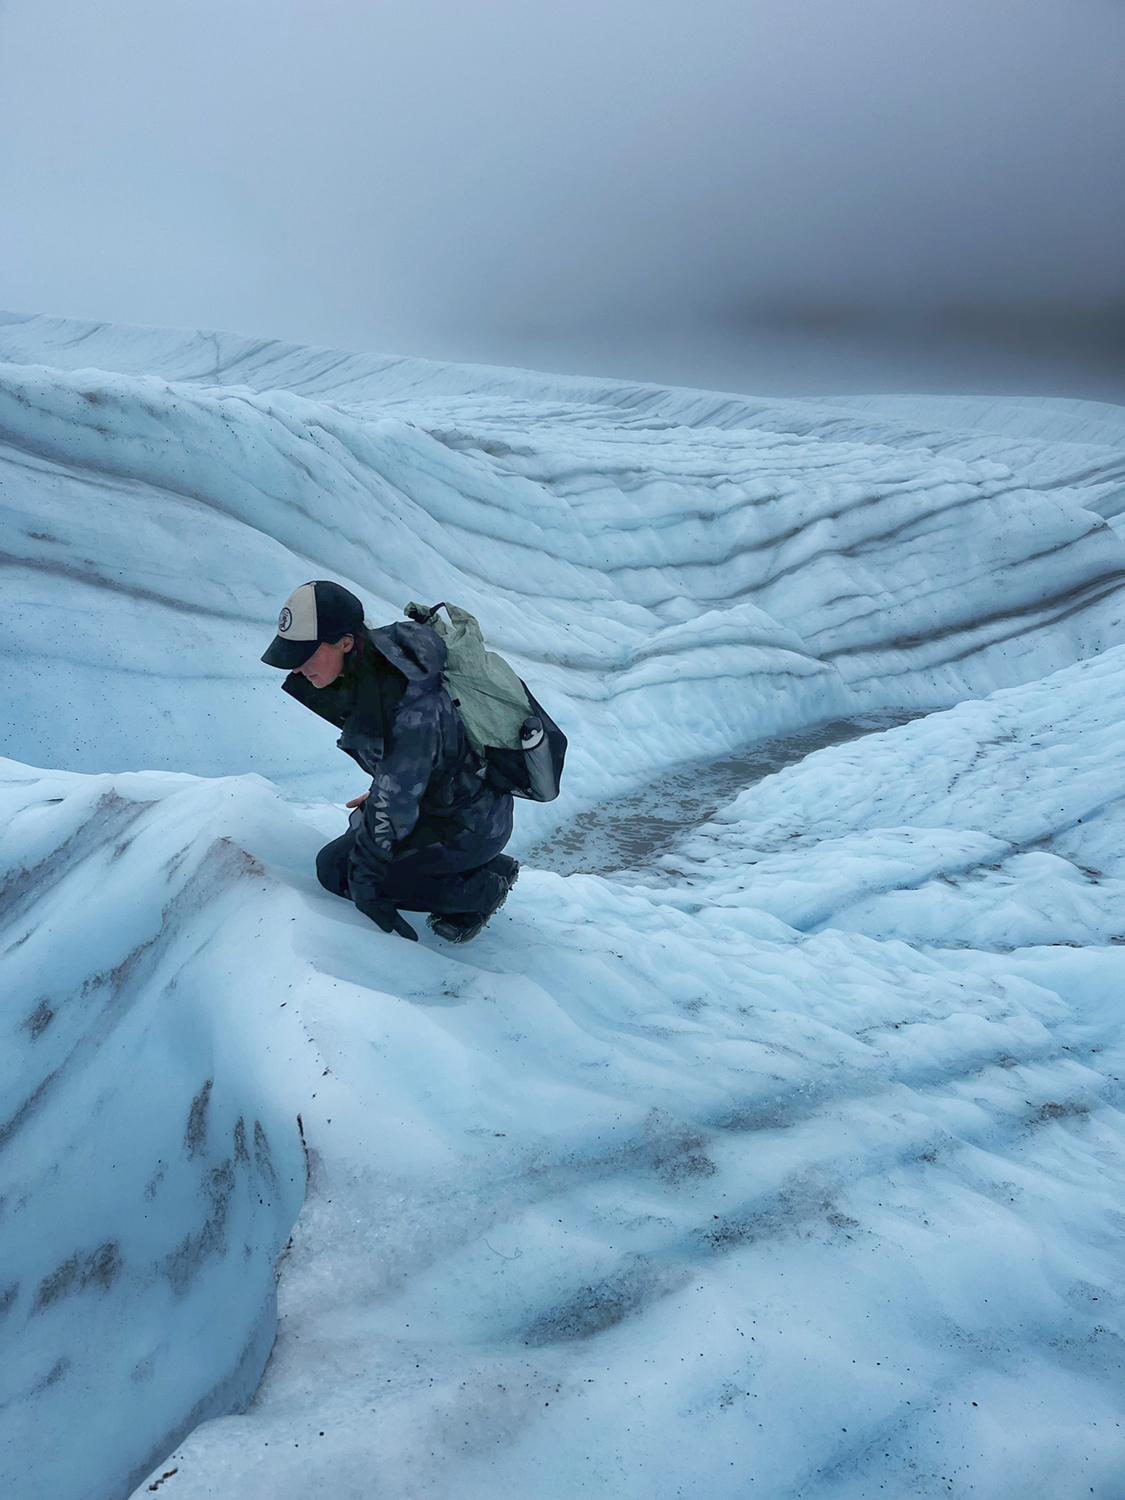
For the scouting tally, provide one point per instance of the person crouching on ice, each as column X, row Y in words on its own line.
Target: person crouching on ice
column 428, row 835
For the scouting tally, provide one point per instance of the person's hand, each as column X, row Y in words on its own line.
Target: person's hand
column 384, row 915
column 358, row 801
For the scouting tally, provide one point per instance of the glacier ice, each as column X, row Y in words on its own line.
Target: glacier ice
column 784, row 1159
column 638, row 551
column 150, row 1180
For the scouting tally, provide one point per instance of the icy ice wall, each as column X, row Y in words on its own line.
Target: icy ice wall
column 150, row 1178
column 789, row 1165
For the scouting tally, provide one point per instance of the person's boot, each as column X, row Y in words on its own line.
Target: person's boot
column 461, row 926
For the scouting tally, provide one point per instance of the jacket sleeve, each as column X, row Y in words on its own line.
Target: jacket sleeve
column 390, row 813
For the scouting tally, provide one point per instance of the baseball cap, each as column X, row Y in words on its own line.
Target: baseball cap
column 314, row 613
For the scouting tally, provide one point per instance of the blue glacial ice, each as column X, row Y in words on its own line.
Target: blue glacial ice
column 778, row 1155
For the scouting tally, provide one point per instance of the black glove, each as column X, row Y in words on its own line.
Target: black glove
column 365, row 888
column 384, row 915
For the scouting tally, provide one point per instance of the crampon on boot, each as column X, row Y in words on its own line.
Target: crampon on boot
column 462, row 926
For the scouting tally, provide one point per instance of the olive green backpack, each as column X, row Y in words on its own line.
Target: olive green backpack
column 522, row 745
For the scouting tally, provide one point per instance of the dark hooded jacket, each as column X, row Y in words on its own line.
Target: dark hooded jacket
column 428, row 793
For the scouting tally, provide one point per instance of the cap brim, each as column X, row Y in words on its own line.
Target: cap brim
column 288, row 654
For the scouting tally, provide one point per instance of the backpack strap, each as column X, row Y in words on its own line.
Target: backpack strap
column 423, row 616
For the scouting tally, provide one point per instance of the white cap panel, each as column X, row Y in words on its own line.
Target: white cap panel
column 297, row 621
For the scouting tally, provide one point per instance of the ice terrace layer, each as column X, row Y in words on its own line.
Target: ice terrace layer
column 772, row 1170
column 680, row 571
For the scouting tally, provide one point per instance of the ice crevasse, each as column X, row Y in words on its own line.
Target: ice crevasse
column 786, row 1162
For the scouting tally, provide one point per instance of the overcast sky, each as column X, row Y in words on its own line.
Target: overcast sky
column 435, row 175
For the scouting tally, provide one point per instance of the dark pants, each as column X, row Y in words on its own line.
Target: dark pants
column 444, row 878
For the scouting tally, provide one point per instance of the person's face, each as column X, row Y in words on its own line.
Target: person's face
column 327, row 662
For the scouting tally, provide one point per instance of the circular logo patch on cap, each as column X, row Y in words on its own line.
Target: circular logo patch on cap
column 285, row 619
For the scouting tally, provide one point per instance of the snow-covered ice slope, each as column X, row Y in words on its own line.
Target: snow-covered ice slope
column 945, row 831
column 789, row 1164
column 654, row 1194
column 149, row 1175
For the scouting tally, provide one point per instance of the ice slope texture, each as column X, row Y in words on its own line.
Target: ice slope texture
column 150, row 1179
column 678, row 572
column 787, row 1162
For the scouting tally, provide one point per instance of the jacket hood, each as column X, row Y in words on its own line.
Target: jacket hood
column 412, row 649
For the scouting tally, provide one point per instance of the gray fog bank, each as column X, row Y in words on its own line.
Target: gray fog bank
column 756, row 189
